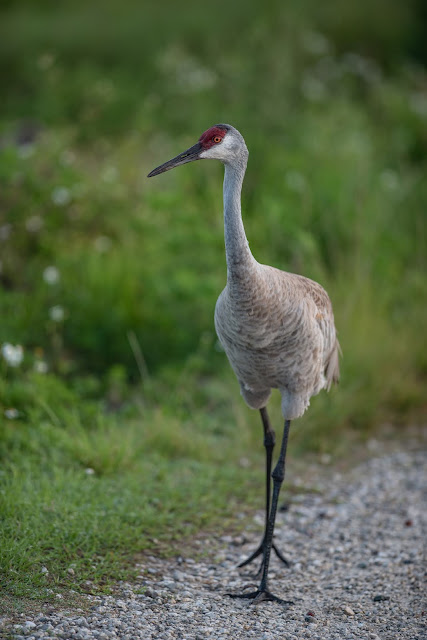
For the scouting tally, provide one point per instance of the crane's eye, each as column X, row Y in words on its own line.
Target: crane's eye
column 216, row 139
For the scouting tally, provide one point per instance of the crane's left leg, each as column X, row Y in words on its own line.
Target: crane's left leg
column 278, row 475
column 269, row 442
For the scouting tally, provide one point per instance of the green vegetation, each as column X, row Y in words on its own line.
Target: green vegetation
column 121, row 425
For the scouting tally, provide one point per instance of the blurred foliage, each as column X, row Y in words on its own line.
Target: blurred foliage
column 109, row 280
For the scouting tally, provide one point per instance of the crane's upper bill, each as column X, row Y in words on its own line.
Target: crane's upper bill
column 193, row 153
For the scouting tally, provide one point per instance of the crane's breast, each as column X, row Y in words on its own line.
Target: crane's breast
column 269, row 343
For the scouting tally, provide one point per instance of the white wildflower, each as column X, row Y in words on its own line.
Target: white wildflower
column 61, row 196
column 389, row 180
column 110, row 174
column 34, row 224
column 296, row 181
column 67, row 157
column 26, row 150
column 11, row 414
column 357, row 143
column 316, row 43
column 102, row 244
column 186, row 71
column 41, row 366
column 51, row 275
column 197, row 79
column 360, row 66
column 313, row 89
column 418, row 104
column 105, row 89
column 13, row 354
column 245, row 463
column 89, row 471
column 57, row 313
column 5, row 230
column 46, row 61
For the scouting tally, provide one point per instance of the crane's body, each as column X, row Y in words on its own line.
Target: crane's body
column 278, row 334
column 277, row 328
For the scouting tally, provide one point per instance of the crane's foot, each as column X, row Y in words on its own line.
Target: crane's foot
column 260, row 595
column 260, row 551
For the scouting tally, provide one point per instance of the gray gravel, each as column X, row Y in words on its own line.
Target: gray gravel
column 355, row 547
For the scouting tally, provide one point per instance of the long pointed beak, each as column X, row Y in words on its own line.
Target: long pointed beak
column 187, row 156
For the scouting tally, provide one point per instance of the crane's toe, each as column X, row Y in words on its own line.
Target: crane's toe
column 261, row 550
column 260, row 595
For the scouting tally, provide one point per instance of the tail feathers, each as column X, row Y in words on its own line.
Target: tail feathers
column 332, row 367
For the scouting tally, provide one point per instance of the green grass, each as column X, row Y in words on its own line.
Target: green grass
column 85, row 490
column 121, row 372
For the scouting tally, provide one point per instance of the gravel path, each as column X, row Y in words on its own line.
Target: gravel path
column 356, row 571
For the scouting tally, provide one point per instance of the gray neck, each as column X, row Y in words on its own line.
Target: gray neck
column 238, row 255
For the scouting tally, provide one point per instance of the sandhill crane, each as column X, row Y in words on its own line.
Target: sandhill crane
column 276, row 328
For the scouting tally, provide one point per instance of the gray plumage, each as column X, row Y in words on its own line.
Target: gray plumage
column 278, row 333
column 276, row 328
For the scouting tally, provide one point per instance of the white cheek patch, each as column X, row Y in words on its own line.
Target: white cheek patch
column 210, row 153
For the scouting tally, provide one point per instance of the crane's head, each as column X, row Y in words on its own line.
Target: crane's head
column 221, row 142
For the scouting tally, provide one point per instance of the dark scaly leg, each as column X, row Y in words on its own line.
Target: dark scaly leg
column 262, row 593
column 269, row 441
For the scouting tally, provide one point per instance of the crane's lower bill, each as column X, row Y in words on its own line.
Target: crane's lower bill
column 193, row 153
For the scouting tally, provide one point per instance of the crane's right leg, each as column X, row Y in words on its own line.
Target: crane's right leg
column 269, row 442
column 278, row 475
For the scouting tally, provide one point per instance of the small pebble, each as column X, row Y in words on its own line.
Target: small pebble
column 348, row 611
